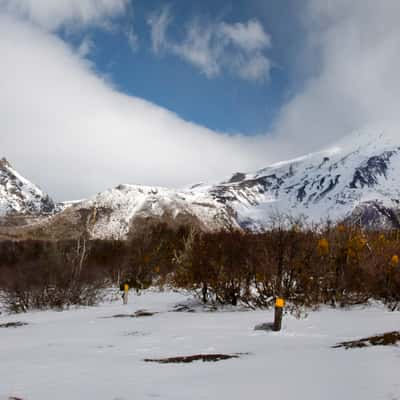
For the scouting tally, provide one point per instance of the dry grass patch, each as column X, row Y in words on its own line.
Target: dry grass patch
column 190, row 359
column 386, row 339
column 13, row 324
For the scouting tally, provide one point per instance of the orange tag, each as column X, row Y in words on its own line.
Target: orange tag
column 280, row 302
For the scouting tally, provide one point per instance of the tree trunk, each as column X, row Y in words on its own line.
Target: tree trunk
column 204, row 291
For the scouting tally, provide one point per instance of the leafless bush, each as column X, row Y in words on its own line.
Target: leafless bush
column 50, row 275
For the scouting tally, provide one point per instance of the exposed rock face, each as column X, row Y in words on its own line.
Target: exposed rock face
column 375, row 215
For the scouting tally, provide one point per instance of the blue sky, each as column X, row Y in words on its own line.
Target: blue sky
column 224, row 102
column 95, row 93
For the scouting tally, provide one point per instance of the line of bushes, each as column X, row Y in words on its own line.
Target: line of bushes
column 308, row 266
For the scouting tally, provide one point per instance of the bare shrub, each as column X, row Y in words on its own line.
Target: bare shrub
column 50, row 275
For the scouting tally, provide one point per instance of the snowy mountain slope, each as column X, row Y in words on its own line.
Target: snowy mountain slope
column 125, row 210
column 358, row 174
column 356, row 180
column 18, row 196
column 115, row 213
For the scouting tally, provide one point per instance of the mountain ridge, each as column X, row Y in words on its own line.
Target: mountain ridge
column 355, row 180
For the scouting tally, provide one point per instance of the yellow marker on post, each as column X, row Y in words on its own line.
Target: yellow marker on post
column 125, row 295
column 280, row 302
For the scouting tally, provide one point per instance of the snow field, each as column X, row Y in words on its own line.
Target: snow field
column 79, row 354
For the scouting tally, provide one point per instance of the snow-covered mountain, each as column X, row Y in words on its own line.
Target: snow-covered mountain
column 357, row 180
column 19, row 197
column 126, row 208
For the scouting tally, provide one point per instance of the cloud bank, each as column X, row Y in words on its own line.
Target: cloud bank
column 65, row 128
column 353, row 53
column 74, row 134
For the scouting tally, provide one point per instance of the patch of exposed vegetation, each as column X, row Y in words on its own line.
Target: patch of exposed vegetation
column 137, row 314
column 136, row 333
column 183, row 308
column 190, row 359
column 386, row 339
column 13, row 324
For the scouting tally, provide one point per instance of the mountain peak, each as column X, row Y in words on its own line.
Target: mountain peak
column 379, row 138
column 18, row 196
column 4, row 163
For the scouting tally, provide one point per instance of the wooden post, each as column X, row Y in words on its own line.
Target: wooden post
column 279, row 304
column 126, row 288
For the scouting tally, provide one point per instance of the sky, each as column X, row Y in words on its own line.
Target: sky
column 94, row 93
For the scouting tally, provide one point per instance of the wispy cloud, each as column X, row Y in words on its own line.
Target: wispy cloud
column 215, row 47
column 249, row 36
column 159, row 22
column 53, row 14
column 133, row 39
column 86, row 47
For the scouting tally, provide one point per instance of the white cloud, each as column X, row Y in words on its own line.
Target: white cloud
column 200, row 49
column 249, row 36
column 73, row 134
column 53, row 14
column 253, row 71
column 216, row 47
column 353, row 51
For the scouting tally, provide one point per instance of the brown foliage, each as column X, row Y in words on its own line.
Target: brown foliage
column 308, row 266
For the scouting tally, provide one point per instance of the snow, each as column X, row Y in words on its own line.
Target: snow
column 79, row 354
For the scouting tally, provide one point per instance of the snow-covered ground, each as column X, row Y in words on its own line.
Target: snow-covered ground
column 79, row 354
